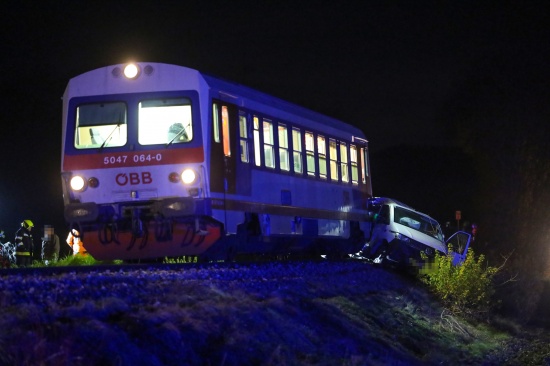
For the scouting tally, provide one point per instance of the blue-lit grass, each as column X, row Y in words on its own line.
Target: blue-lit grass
column 263, row 314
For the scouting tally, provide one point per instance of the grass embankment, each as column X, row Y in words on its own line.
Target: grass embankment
column 286, row 313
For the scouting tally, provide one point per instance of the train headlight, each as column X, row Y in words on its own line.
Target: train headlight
column 131, row 71
column 78, row 183
column 188, row 176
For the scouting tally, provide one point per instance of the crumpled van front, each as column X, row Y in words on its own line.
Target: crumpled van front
column 403, row 235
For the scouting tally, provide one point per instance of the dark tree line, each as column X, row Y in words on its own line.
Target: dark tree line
column 496, row 169
column 500, row 117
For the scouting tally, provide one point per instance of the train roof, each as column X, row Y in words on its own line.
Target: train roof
column 173, row 76
column 249, row 97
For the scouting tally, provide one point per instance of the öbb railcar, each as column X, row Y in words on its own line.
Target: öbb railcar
column 160, row 160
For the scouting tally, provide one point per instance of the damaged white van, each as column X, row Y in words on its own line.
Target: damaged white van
column 400, row 234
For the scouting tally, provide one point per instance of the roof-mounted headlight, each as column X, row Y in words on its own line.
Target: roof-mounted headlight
column 131, row 71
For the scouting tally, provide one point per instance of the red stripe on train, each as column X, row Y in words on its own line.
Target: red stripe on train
column 133, row 158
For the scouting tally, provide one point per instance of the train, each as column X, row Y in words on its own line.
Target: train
column 164, row 161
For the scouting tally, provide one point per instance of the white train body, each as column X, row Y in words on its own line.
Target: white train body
column 172, row 162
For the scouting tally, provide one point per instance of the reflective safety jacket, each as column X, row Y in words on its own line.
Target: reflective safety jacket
column 73, row 239
column 23, row 242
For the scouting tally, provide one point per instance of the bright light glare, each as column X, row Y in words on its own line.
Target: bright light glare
column 154, row 123
column 131, row 71
column 188, row 176
column 77, row 183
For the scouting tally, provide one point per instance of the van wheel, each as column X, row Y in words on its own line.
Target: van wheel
column 379, row 251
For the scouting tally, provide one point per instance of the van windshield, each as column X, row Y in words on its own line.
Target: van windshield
column 418, row 222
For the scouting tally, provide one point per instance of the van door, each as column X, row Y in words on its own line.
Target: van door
column 380, row 231
column 460, row 243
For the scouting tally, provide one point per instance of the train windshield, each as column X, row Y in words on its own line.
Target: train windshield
column 100, row 125
column 165, row 121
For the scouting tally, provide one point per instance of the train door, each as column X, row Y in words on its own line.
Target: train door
column 365, row 169
column 222, row 154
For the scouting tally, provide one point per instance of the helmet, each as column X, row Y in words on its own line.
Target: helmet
column 27, row 224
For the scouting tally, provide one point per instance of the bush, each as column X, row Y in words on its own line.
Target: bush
column 466, row 288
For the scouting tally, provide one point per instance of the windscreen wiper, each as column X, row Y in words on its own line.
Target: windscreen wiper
column 182, row 131
column 109, row 137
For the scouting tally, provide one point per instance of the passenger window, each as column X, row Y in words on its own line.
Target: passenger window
column 283, row 148
column 333, row 160
column 310, row 154
column 353, row 162
column 243, row 138
column 344, row 162
column 268, row 144
column 297, row 150
column 257, row 154
column 322, row 151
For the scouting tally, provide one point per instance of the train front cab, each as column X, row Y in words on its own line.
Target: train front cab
column 134, row 202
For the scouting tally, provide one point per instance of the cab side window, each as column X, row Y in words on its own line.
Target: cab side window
column 384, row 215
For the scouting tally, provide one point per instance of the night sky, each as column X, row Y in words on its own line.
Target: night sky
column 391, row 68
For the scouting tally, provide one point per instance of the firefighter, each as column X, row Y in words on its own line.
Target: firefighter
column 24, row 244
column 74, row 241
